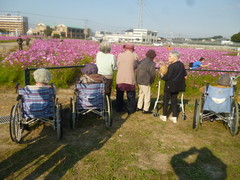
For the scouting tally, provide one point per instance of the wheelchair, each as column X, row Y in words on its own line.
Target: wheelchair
column 217, row 104
column 160, row 101
column 35, row 106
column 90, row 98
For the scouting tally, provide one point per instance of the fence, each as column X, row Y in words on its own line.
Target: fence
column 5, row 119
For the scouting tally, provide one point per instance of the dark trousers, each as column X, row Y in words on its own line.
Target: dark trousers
column 131, row 101
column 20, row 46
column 173, row 97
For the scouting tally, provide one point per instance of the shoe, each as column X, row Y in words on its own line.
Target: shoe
column 173, row 119
column 163, row 118
column 138, row 109
column 147, row 112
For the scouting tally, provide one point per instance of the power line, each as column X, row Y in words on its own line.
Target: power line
column 86, row 21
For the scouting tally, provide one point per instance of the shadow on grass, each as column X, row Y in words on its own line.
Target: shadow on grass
column 50, row 159
column 198, row 164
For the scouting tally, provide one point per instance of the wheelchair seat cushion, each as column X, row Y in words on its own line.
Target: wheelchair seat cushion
column 37, row 102
column 218, row 100
column 90, row 96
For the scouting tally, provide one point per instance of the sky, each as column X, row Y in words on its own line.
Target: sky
column 170, row 18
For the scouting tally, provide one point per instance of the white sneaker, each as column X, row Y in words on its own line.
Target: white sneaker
column 173, row 119
column 163, row 118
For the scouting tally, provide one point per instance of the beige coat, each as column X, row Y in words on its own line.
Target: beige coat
column 126, row 63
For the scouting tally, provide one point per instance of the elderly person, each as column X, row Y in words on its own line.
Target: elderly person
column 145, row 77
column 224, row 81
column 42, row 79
column 126, row 65
column 106, row 63
column 90, row 74
column 174, row 83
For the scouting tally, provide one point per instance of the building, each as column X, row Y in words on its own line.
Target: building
column 15, row 25
column 43, row 29
column 133, row 35
column 69, row 32
column 62, row 30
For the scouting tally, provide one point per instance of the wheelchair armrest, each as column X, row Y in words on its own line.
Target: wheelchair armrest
column 19, row 97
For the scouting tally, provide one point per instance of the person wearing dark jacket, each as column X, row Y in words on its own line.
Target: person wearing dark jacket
column 145, row 77
column 174, row 83
column 20, row 42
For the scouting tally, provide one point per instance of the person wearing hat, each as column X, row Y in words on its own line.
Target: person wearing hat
column 42, row 79
column 145, row 77
column 106, row 64
column 224, row 81
column 174, row 83
column 90, row 74
column 127, row 62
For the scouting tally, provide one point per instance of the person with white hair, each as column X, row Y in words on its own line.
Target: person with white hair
column 174, row 83
column 42, row 79
column 106, row 64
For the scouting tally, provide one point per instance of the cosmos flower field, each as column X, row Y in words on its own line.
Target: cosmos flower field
column 45, row 53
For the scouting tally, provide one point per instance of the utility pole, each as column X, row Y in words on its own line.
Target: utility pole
column 140, row 14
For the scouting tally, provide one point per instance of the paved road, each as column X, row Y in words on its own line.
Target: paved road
column 8, row 46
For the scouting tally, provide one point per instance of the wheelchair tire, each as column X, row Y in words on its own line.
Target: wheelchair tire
column 197, row 111
column 58, row 122
column 73, row 114
column 234, row 121
column 16, row 125
column 107, row 112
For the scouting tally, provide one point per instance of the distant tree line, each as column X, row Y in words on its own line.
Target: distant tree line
column 235, row 37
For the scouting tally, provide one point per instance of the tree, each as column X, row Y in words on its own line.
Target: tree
column 56, row 35
column 48, row 32
column 3, row 30
column 235, row 37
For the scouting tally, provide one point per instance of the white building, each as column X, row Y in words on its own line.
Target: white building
column 133, row 35
column 14, row 24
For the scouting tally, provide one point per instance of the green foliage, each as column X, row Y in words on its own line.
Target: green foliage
column 48, row 32
column 236, row 37
column 11, row 75
column 3, row 30
column 56, row 36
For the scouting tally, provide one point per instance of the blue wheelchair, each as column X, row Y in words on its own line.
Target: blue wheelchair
column 35, row 105
column 90, row 98
column 218, row 104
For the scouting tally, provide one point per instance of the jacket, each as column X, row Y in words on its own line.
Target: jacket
column 146, row 72
column 175, row 78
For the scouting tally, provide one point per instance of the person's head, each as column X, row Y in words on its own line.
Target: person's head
column 202, row 59
column 224, row 80
column 42, row 76
column 128, row 46
column 151, row 54
column 105, row 47
column 90, row 69
column 173, row 56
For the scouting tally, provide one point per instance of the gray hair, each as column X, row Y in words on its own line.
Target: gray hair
column 105, row 47
column 175, row 53
column 42, row 76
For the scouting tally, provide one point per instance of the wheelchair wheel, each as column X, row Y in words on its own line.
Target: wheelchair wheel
column 234, row 119
column 16, row 125
column 58, row 122
column 197, row 112
column 107, row 112
column 73, row 114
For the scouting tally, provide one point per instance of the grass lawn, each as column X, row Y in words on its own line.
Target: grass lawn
column 138, row 146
